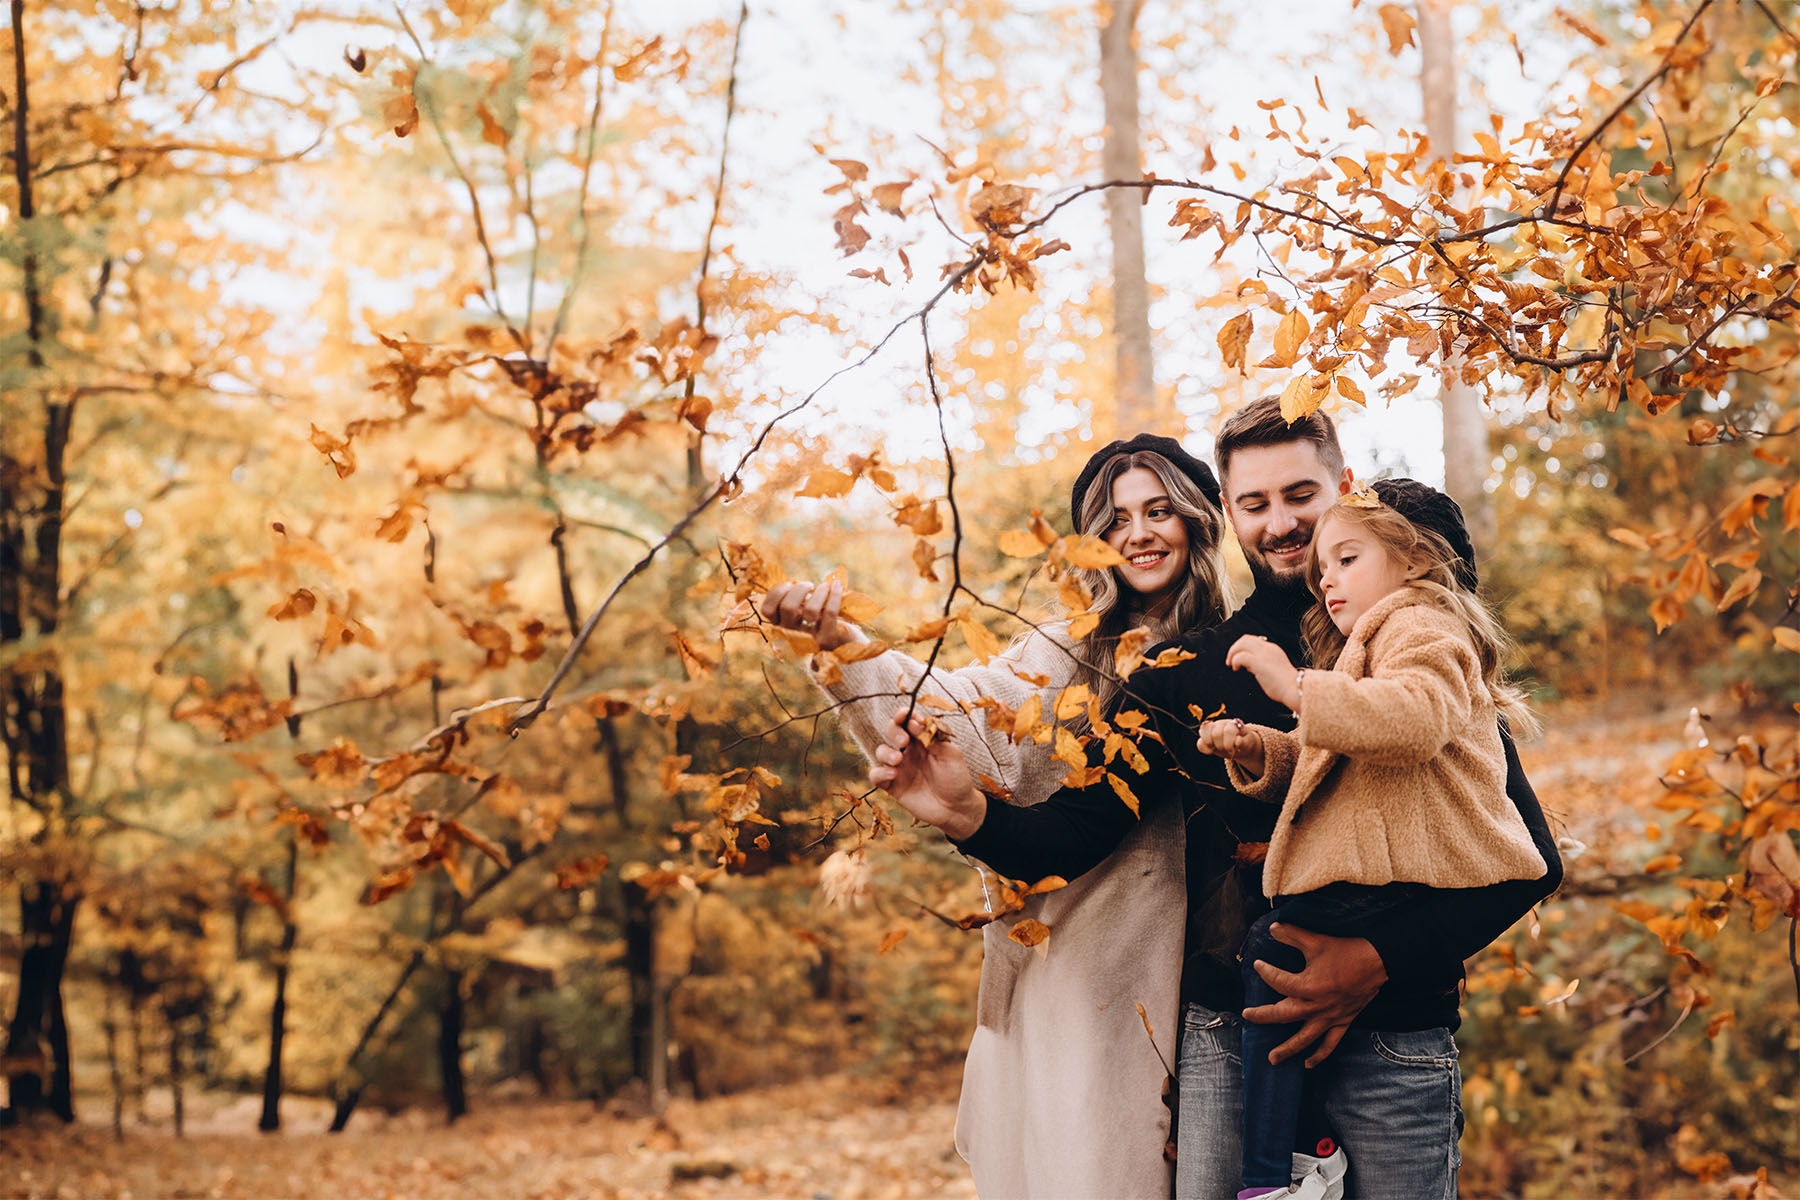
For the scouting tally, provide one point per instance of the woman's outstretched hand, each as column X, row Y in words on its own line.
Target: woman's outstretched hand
column 928, row 776
column 1234, row 740
column 809, row 608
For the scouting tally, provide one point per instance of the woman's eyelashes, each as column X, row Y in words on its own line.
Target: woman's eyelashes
column 1155, row 515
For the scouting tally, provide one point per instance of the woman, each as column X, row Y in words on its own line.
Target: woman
column 1063, row 1089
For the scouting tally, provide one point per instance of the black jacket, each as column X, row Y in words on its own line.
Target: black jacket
column 1422, row 946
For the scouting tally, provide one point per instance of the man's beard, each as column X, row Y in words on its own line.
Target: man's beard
column 1266, row 576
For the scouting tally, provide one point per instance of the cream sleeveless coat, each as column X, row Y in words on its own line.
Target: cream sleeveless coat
column 1063, row 1090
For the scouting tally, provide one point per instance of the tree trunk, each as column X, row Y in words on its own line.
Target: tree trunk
column 1136, row 408
column 33, row 721
column 450, row 1065
column 616, row 776
column 114, row 1069
column 649, row 1033
column 38, row 1034
column 176, row 1096
column 270, row 1121
column 1467, row 457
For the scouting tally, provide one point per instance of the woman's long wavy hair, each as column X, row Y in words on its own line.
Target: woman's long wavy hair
column 1431, row 564
column 1201, row 598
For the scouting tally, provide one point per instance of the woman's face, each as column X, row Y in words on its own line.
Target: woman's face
column 1151, row 535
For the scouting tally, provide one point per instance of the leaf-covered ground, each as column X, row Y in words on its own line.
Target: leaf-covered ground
column 834, row 1139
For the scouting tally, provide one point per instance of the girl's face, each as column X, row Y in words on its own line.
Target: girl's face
column 1355, row 571
column 1148, row 531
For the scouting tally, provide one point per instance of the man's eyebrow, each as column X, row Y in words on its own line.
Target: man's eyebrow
column 1285, row 488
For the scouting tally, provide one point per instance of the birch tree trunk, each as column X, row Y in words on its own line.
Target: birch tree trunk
column 1135, row 405
column 1467, row 458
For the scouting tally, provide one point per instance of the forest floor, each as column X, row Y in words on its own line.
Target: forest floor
column 838, row 1138
column 834, row 1138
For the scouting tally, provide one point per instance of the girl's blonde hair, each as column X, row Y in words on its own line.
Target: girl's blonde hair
column 1431, row 567
column 1201, row 598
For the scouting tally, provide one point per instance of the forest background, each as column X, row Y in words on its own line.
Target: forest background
column 404, row 405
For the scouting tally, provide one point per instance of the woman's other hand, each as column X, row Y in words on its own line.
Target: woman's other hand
column 1236, row 741
column 1269, row 665
column 809, row 608
column 928, row 776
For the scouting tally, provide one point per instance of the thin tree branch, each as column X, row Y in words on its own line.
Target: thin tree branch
column 1581, row 147
column 1667, row 1034
column 581, row 196
column 481, row 233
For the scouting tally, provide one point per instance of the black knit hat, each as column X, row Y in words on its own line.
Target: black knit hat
column 1425, row 506
column 1169, row 448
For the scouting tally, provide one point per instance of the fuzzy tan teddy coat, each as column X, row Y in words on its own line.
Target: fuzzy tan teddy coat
column 1062, row 1091
column 1395, row 772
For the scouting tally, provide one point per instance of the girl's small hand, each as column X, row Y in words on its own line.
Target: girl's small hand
column 1229, row 739
column 1236, row 741
column 1269, row 665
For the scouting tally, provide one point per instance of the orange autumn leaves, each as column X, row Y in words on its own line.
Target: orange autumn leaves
column 1687, row 558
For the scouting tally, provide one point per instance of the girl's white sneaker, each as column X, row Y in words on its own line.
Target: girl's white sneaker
column 1328, row 1172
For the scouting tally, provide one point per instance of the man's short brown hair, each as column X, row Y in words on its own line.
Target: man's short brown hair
column 1260, row 423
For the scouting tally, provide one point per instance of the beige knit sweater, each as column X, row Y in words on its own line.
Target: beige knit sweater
column 1062, row 1091
column 1396, row 772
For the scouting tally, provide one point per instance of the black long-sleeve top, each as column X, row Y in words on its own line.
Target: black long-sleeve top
column 1422, row 946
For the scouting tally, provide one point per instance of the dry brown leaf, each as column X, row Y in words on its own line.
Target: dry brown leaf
column 980, row 638
column 1019, row 543
column 1029, row 932
column 929, row 631
column 827, row 484
column 1290, row 336
column 1234, row 337
column 1091, row 553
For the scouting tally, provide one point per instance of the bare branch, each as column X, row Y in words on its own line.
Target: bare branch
column 581, row 194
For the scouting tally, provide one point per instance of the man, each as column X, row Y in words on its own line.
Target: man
column 1393, row 1088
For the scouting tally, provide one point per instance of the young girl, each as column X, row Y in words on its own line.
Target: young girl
column 1392, row 784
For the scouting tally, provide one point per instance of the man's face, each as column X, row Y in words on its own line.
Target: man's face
column 1274, row 495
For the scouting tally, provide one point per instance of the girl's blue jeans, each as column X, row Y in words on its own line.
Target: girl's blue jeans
column 1273, row 1094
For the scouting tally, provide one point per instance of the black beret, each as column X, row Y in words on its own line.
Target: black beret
column 1425, row 506
column 1169, row 448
